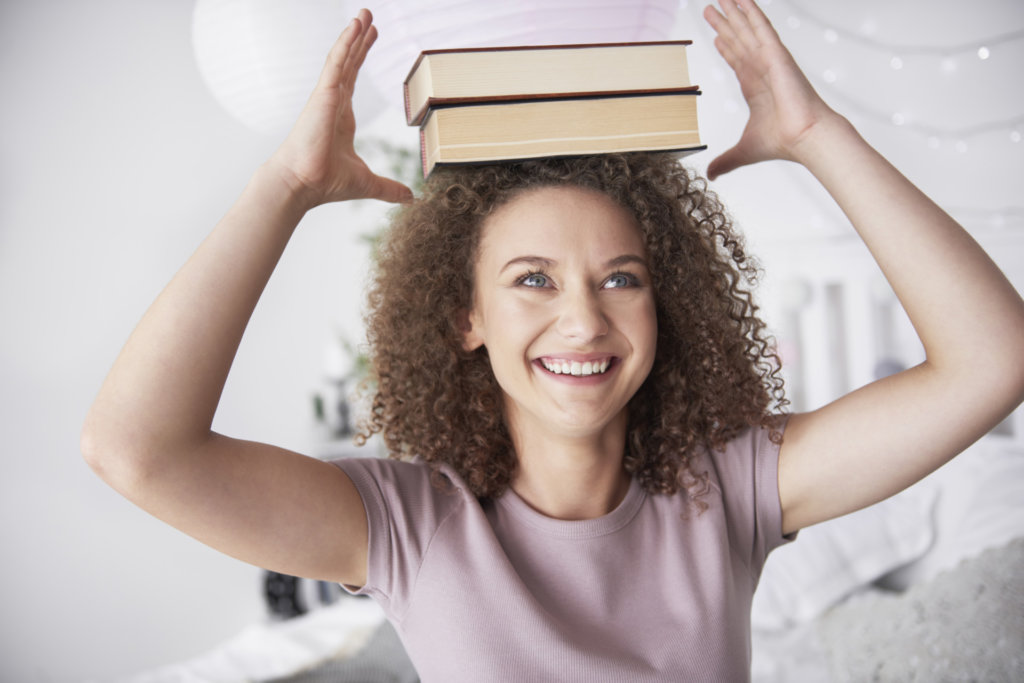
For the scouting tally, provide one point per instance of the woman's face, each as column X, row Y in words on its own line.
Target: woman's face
column 563, row 304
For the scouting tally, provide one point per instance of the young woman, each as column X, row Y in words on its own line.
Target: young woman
column 567, row 353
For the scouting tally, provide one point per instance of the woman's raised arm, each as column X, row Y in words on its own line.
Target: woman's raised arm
column 148, row 433
column 883, row 437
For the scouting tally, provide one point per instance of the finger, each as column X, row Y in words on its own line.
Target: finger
column 367, row 38
column 357, row 51
column 718, row 22
column 726, row 51
column 713, row 16
column 357, row 54
column 764, row 35
column 332, row 74
column 726, row 41
column 759, row 22
column 740, row 25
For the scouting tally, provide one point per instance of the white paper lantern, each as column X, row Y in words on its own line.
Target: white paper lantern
column 261, row 58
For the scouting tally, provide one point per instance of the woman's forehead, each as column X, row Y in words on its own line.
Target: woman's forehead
column 563, row 220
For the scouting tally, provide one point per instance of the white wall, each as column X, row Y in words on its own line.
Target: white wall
column 115, row 162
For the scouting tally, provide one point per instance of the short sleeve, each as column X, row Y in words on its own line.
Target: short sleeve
column 748, row 476
column 403, row 511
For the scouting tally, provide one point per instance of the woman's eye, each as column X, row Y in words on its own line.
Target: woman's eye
column 534, row 280
column 620, row 280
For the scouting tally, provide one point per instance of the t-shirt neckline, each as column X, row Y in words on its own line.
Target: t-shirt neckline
column 583, row 528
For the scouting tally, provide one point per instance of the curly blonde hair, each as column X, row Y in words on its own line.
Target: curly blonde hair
column 715, row 372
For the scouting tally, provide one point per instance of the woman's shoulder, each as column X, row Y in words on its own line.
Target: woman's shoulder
column 409, row 483
column 746, row 461
column 751, row 444
column 744, row 475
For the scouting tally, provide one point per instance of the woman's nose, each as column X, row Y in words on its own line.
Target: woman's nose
column 581, row 318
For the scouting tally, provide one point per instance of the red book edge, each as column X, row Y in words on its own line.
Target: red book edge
column 423, row 153
column 408, row 106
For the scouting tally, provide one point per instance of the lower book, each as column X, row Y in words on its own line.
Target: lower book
column 479, row 133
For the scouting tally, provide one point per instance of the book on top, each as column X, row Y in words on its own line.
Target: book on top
column 479, row 74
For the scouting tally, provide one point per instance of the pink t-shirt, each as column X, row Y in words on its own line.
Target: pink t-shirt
column 493, row 590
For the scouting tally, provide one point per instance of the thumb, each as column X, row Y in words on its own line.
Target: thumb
column 389, row 190
column 729, row 160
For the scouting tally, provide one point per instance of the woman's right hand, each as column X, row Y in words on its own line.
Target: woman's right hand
column 318, row 158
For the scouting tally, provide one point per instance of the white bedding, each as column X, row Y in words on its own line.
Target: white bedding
column 853, row 593
column 276, row 649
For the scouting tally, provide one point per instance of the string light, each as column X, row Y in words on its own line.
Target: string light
column 949, row 59
column 864, row 38
column 933, row 135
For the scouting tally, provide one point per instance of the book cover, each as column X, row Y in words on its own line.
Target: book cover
column 491, row 74
column 511, row 130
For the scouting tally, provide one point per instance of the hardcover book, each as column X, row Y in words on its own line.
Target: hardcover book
column 577, row 124
column 481, row 74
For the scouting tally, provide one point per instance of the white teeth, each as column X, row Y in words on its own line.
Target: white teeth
column 576, row 368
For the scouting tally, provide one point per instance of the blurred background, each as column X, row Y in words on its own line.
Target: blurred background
column 128, row 128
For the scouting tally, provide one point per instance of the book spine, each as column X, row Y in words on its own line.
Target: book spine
column 408, row 104
column 423, row 153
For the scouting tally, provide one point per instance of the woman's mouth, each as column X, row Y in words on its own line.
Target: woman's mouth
column 561, row 366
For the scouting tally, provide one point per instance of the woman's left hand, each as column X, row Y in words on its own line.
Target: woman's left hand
column 881, row 438
column 784, row 107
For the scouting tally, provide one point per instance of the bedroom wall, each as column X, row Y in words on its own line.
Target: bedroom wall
column 116, row 162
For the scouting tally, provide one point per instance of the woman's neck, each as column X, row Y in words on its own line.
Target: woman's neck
column 571, row 477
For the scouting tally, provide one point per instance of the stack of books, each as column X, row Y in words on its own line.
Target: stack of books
column 482, row 105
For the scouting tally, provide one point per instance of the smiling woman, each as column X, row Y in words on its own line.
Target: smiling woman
column 550, row 244
column 615, row 522
column 573, row 307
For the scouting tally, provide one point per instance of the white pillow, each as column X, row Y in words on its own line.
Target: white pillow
column 980, row 506
column 828, row 561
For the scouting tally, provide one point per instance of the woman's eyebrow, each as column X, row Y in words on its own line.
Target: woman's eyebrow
column 542, row 262
column 535, row 261
column 625, row 259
